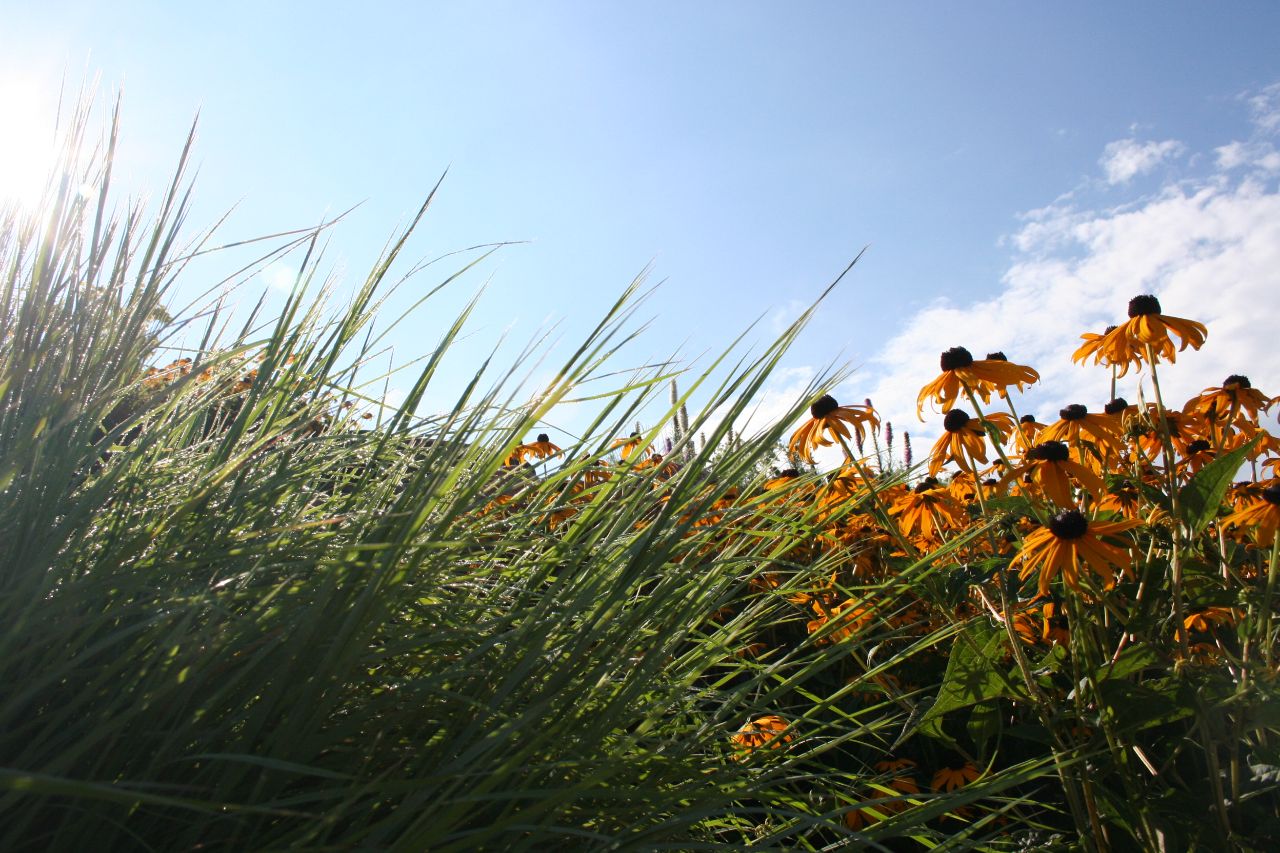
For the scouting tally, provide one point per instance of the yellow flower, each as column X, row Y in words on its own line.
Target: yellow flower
column 828, row 419
column 964, row 440
column 770, row 730
column 1237, row 396
column 1262, row 515
column 1049, row 465
column 848, row 618
column 626, row 446
column 1070, row 543
column 1204, row 618
column 926, row 509
column 1146, row 326
column 1077, row 425
column 539, row 449
column 892, row 765
column 1028, row 429
column 1108, row 349
column 961, row 373
column 951, row 778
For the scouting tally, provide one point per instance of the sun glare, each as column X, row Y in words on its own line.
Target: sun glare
column 27, row 149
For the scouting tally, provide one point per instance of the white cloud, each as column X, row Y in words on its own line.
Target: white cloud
column 1124, row 159
column 1264, row 108
column 1209, row 248
column 1258, row 153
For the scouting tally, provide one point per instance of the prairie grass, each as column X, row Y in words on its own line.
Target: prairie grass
column 236, row 615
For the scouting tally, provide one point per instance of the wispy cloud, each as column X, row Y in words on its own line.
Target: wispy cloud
column 1209, row 248
column 1124, row 159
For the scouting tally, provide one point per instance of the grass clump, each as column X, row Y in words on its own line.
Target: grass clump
column 237, row 615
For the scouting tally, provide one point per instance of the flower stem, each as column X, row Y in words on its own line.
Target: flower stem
column 1175, row 559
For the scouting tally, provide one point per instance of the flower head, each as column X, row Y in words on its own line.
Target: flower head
column 626, row 446
column 828, row 422
column 964, row 440
column 769, row 731
column 1049, row 466
column 1069, row 544
column 1076, row 425
column 950, row 778
column 1261, row 515
column 1236, row 398
column 960, row 374
column 1147, row 327
column 541, row 448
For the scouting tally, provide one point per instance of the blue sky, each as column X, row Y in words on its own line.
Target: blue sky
column 747, row 151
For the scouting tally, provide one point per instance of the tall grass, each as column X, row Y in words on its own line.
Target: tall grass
column 236, row 618
column 235, row 614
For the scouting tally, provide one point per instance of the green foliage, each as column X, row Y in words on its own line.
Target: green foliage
column 235, row 619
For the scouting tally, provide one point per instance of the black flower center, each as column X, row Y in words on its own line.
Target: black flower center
column 1049, row 451
column 956, row 358
column 1198, row 446
column 956, row 420
column 788, row 472
column 1142, row 305
column 1070, row 524
column 1027, row 419
column 997, row 356
column 1271, row 494
column 1237, row 380
column 1116, row 406
column 1108, row 330
column 826, row 405
column 926, row 484
column 1074, row 412
column 543, row 438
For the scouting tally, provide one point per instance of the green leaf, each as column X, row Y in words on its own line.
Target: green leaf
column 972, row 676
column 1140, row 706
column 1200, row 499
column 1133, row 659
column 984, row 724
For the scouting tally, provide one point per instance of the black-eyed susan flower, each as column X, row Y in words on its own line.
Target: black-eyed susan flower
column 902, row 786
column 1070, row 544
column 964, row 440
column 1198, row 454
column 1146, row 326
column 1026, row 626
column 1261, row 515
column 1076, row 425
column 951, row 778
column 1049, row 466
column 1120, row 409
column 1028, row 429
column 1235, row 398
column 926, row 509
column 1183, row 428
column 830, row 421
column 1055, row 627
column 1108, row 349
column 1203, row 619
column 781, row 479
column 960, row 373
column 626, row 446
column 889, row 764
column 769, row 731
column 540, row 448
column 846, row 619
